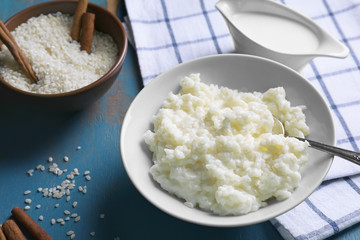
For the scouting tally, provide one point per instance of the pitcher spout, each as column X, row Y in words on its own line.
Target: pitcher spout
column 332, row 47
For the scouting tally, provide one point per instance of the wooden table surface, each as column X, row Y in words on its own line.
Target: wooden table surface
column 28, row 137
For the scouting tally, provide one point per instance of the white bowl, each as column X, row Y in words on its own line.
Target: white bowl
column 245, row 73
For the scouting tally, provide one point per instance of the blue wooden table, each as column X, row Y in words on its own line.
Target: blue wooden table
column 111, row 207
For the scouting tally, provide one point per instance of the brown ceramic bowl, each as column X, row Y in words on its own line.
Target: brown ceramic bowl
column 105, row 22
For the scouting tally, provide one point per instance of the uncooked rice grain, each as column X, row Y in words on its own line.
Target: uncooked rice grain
column 27, row 192
column 30, row 172
column 76, row 172
column 77, row 219
column 58, row 62
column 38, row 167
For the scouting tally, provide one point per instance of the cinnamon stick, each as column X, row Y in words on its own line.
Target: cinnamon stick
column 112, row 6
column 12, row 231
column 29, row 224
column 2, row 235
column 87, row 31
column 80, row 10
column 9, row 41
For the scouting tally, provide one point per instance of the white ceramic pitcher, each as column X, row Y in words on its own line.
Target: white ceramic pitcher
column 269, row 29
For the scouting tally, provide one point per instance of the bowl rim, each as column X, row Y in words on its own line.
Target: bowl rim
column 119, row 62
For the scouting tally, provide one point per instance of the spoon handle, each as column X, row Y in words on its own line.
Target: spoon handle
column 336, row 151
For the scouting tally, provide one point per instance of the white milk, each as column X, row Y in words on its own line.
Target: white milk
column 276, row 33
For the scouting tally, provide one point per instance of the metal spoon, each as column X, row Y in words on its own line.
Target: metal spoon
column 354, row 157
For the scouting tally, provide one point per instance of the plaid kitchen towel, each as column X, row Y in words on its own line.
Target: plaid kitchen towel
column 169, row 32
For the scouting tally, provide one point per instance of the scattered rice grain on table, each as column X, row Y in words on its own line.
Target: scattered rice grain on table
column 58, row 191
column 77, row 219
column 27, row 192
column 30, row 172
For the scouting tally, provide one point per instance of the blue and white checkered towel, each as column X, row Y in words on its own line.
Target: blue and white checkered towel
column 169, row 32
